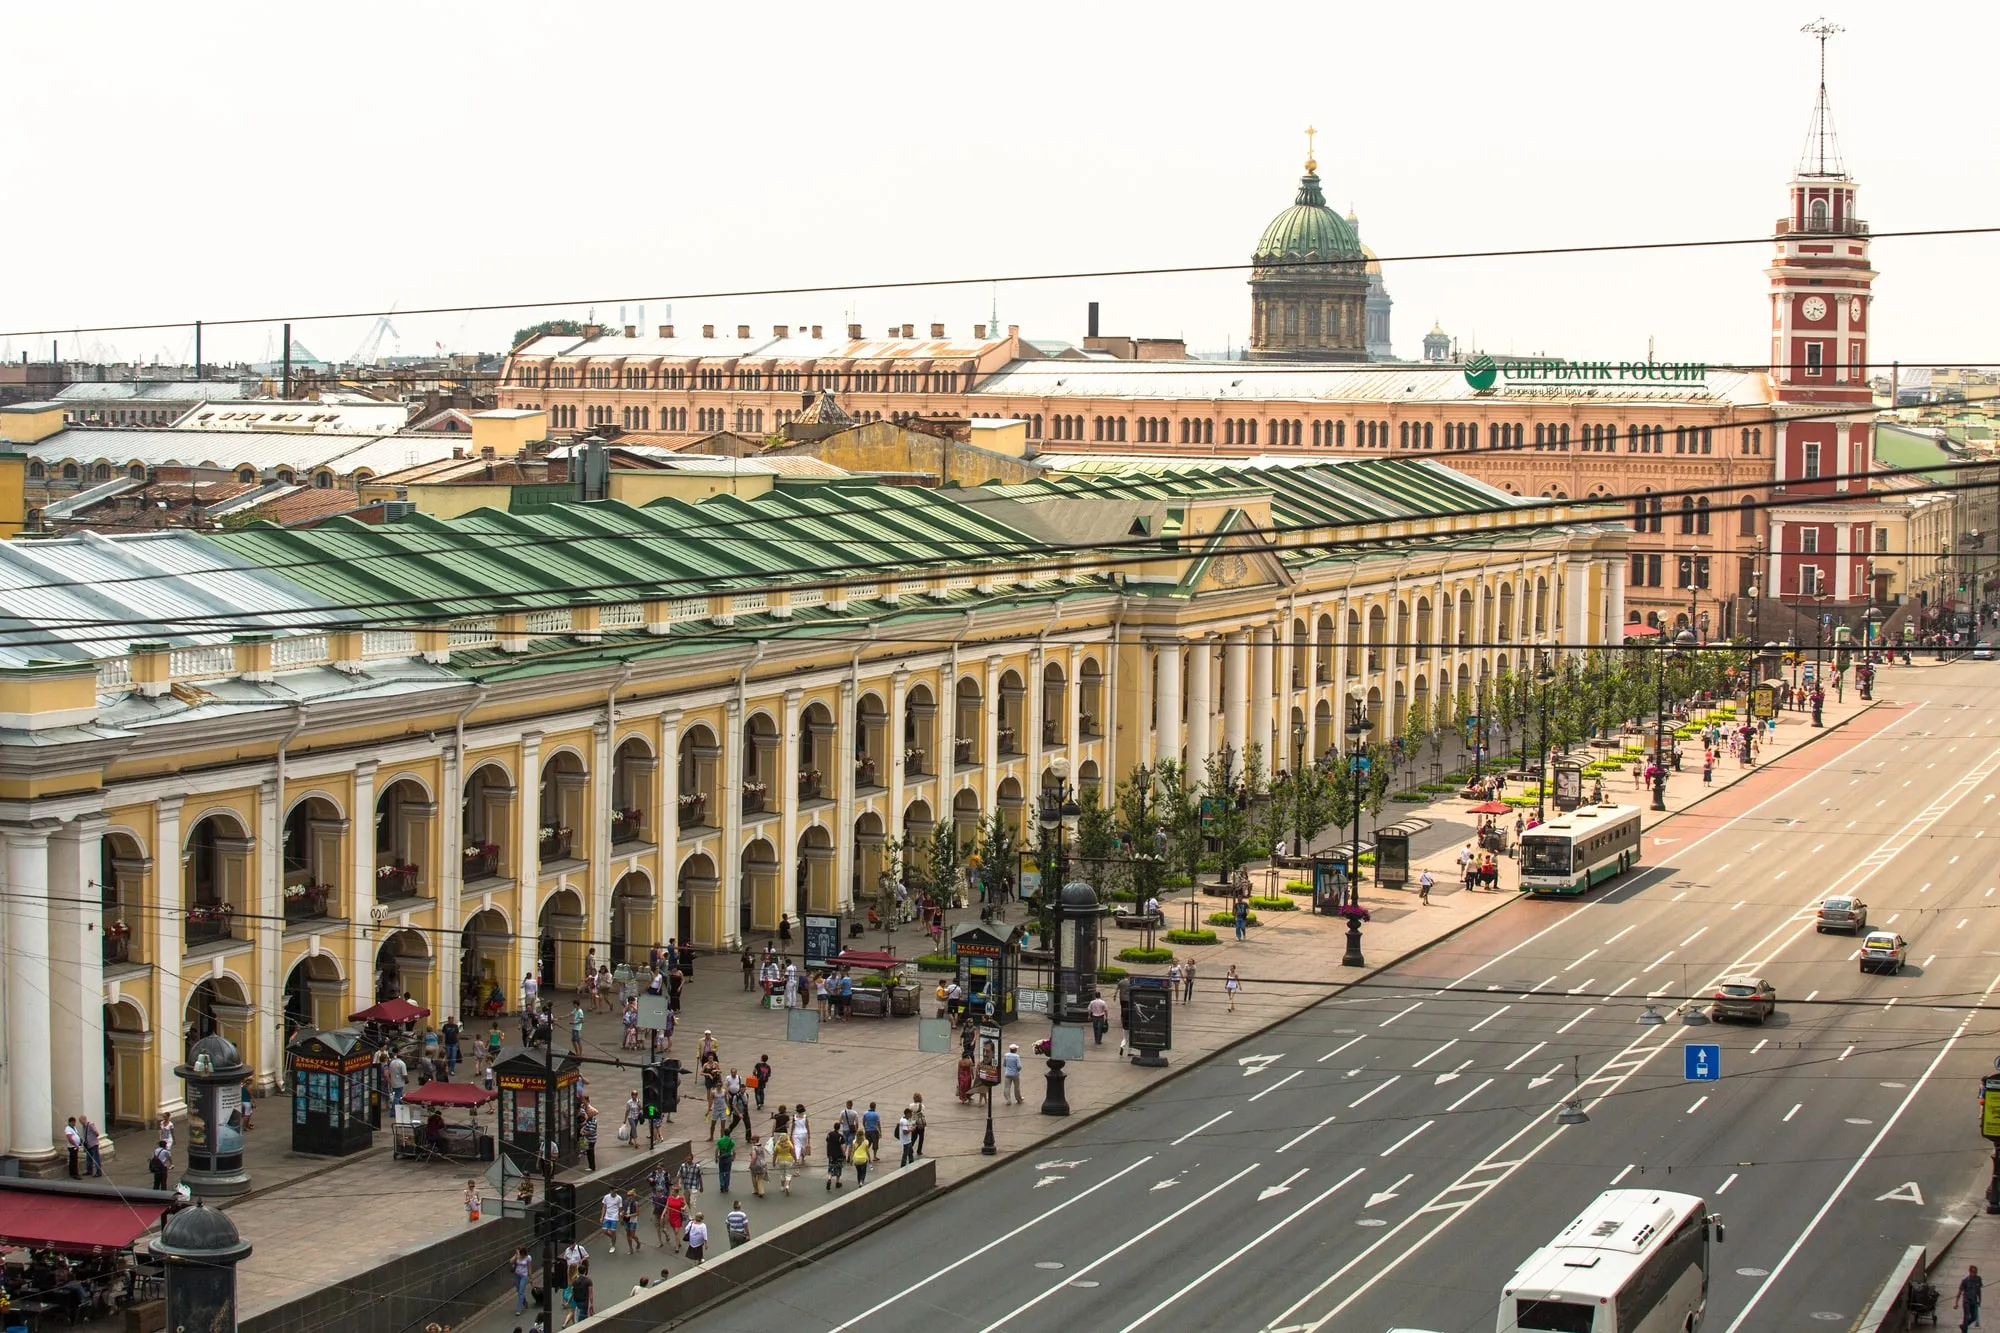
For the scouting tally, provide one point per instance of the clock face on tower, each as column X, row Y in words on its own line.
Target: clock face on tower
column 1813, row 308
column 1854, row 309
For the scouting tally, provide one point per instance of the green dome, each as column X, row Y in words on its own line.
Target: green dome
column 1309, row 229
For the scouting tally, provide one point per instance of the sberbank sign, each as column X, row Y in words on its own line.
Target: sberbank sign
column 1482, row 372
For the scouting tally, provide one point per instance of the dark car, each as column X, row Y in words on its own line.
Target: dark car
column 1751, row 998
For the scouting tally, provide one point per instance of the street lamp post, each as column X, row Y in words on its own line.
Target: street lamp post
column 1479, row 735
column 1683, row 641
column 1545, row 676
column 1357, row 763
column 1057, row 816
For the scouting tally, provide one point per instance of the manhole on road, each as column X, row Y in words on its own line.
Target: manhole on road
column 1050, row 1263
column 1828, row 1316
column 1084, row 1282
column 1753, row 1272
column 1372, row 1222
column 1857, row 1120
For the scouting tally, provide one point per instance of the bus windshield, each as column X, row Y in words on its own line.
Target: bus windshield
column 1544, row 856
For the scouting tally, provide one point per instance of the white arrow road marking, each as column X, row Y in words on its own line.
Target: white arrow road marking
column 1352, row 1072
column 1578, row 990
column 1060, row 1166
column 1419, row 1061
column 1549, row 1077
column 989, row 1246
column 1309, row 1133
column 1198, row 1129
column 1282, row 1187
column 1168, row 1183
column 1257, row 1064
column 1383, row 1196
column 1248, row 1246
column 1050, row 1180
column 1094, row 1264
column 1907, row 1192
column 1443, row 1079
column 1279, row 1084
column 1661, row 842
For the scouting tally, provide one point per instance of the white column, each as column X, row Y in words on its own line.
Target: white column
column 1841, row 568
column 76, row 968
column 787, row 786
column 667, row 819
column 31, row 1108
column 1032, row 714
column 1236, row 692
column 1261, row 698
column 729, row 865
column 1169, row 739
column 1201, row 708
column 601, row 793
column 844, row 746
column 170, row 894
column 1337, row 701
column 266, row 896
column 1072, row 730
column 989, row 744
column 360, row 961
column 899, row 704
column 1614, row 602
column 1576, row 601
column 1147, row 732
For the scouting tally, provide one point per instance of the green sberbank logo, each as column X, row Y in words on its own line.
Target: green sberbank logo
column 1482, row 373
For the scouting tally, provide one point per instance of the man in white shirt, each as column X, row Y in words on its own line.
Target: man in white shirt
column 529, row 989
column 1100, row 1017
column 399, row 1077
column 1010, row 1075
column 573, row 1255
column 614, row 1207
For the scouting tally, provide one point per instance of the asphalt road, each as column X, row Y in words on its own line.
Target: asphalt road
column 1386, row 1158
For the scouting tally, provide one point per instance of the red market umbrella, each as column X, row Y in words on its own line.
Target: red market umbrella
column 450, row 1094
column 390, row 1011
column 1637, row 631
column 1489, row 808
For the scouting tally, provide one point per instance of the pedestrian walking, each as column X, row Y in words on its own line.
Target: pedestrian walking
column 861, row 1154
column 1424, row 882
column 472, row 1201
column 690, row 1175
column 697, row 1239
column 613, row 1208
column 450, row 1033
column 677, row 1211
column 725, row 1160
column 760, row 1164
column 1242, row 915
column 785, row 1158
column 906, row 1138
column 1100, row 1018
column 1187, row 982
column 836, row 1158
column 737, row 1224
column 523, row 1264
column 628, row 1216
column 73, row 1143
column 160, row 1164
column 1173, row 977
column 1232, row 983
column 1010, row 1075
column 93, row 1144
column 801, row 1134
column 1971, row 1290
column 588, row 1133
column 761, row 1074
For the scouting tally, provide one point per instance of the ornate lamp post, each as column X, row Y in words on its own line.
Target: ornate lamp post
column 1057, row 818
column 1683, row 641
column 1358, row 727
column 1545, row 676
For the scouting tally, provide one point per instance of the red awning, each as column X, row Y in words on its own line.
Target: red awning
column 875, row 958
column 1490, row 808
column 37, row 1221
column 449, row 1094
column 1638, row 631
column 390, row 1011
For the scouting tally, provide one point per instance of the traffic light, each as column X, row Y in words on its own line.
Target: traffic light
column 660, row 1088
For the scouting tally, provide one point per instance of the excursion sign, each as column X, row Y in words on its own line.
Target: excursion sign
column 1484, row 373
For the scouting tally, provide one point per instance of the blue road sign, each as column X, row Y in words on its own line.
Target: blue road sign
column 1704, row 1063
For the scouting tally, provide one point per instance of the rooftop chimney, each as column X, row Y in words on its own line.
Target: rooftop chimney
column 806, row 398
column 937, row 330
column 743, row 330
column 631, row 330
column 1013, row 330
column 909, row 330
column 1092, row 323
column 708, row 330
column 854, row 332
column 979, row 332
column 592, row 330
column 486, row 452
column 815, row 331
column 666, row 330
column 780, row 331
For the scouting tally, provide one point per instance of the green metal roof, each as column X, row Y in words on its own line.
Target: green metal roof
column 1309, row 229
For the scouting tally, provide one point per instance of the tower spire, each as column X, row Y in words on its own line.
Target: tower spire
column 1822, row 150
column 1311, row 165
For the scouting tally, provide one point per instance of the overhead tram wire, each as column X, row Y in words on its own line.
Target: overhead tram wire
column 1303, row 265
column 842, row 576
column 739, row 529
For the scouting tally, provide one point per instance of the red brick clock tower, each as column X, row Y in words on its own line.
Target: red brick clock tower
column 1820, row 300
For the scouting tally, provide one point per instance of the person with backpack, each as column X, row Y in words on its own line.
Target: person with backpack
column 836, row 1158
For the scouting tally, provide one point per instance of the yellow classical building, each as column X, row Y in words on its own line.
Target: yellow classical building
column 257, row 779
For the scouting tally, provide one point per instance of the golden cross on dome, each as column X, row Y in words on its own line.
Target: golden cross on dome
column 1311, row 166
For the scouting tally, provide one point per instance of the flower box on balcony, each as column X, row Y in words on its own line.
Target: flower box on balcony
column 482, row 861
column 554, row 843
column 961, row 749
column 1087, row 724
column 206, row 923
column 753, row 797
column 117, row 942
column 864, row 773
column 626, row 825
column 395, row 881
column 913, row 762
column 809, row 785
column 693, row 809
column 1007, row 741
column 303, row 902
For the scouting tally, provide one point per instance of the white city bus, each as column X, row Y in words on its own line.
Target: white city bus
column 1635, row 1261
column 1574, row 851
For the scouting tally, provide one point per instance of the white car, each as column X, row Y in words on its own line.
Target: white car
column 1884, row 951
column 1982, row 652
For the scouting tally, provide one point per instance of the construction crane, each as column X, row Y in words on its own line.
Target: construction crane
column 372, row 344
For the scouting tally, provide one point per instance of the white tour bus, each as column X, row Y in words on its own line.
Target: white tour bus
column 1574, row 851
column 1635, row 1261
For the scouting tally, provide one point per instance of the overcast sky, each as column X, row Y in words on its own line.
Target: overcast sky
column 222, row 161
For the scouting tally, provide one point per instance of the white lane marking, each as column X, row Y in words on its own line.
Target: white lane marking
column 1892, row 1003
column 1781, row 874
column 1582, row 987
column 1621, row 986
column 1794, row 1111
column 1537, row 986
column 1406, row 1138
column 1418, row 1063
column 1657, row 961
column 1723, row 1188
column 1489, row 1018
column 1623, row 933
column 873, row 1310
column 1928, row 961
column 1692, row 938
column 1760, row 1045
column 1282, row 1187
column 1845, row 1180
column 1850, row 823
column 1248, row 1247
column 1739, row 905
column 1393, row 1017
column 1815, row 850
column 1697, row 1104
column 1525, row 1054
column 1094, row 1264
column 1892, row 918
column 1844, row 1054
column 1579, row 962
column 1338, row 1049
column 1629, row 1168
column 1372, row 1091
column 1724, row 866
column 1926, row 888
column 1383, row 1196
column 1952, row 862
column 1682, row 894
column 1279, row 1084
column 1199, row 1128
column 1961, row 924
column 1470, row 1095
column 1309, row 1133
column 1578, row 1019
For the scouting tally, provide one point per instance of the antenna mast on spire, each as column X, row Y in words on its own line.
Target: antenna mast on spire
column 1311, row 164
column 1822, row 155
